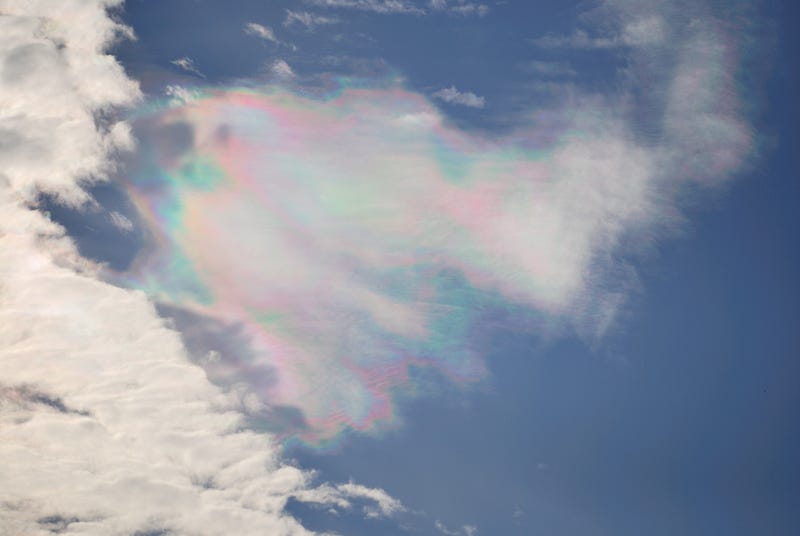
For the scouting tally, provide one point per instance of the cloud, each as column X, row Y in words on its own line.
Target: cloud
column 306, row 19
column 548, row 69
column 644, row 31
column 360, row 242
column 451, row 95
column 265, row 32
column 281, row 69
column 466, row 530
column 180, row 94
column 460, row 7
column 106, row 427
column 379, row 504
column 261, row 31
column 120, row 221
column 384, row 7
column 188, row 65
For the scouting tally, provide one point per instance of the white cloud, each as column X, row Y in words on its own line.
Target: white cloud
column 549, row 69
column 261, row 31
column 545, row 228
column 460, row 7
column 180, row 94
column 188, row 65
column 465, row 530
column 105, row 426
column 389, row 7
column 281, row 69
column 643, row 31
column 451, row 95
column 309, row 20
column 384, row 7
column 379, row 503
column 120, row 221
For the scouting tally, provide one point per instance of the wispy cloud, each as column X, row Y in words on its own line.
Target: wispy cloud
column 266, row 33
column 187, row 64
column 377, row 503
column 465, row 530
column 259, row 30
column 105, row 421
column 539, row 219
column 375, row 6
column 460, row 7
column 644, row 31
column 306, row 19
column 281, row 69
column 451, row 95
column 548, row 69
column 120, row 221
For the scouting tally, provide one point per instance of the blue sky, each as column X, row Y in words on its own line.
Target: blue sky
column 620, row 355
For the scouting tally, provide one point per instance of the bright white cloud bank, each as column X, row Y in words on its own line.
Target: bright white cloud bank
column 105, row 427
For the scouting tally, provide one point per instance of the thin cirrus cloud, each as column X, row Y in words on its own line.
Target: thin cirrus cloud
column 384, row 7
column 308, row 20
column 187, row 64
column 266, row 33
column 460, row 7
column 357, row 241
column 392, row 7
column 643, row 31
column 451, row 95
column 106, row 427
column 261, row 31
column 282, row 70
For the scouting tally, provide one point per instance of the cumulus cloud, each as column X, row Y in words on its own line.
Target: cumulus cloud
column 106, row 427
column 451, row 95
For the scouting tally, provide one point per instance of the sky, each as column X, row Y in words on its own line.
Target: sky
column 427, row 267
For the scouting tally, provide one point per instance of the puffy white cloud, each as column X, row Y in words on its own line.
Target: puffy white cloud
column 105, row 426
column 281, row 69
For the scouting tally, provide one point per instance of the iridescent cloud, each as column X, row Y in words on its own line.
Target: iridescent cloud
column 358, row 238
